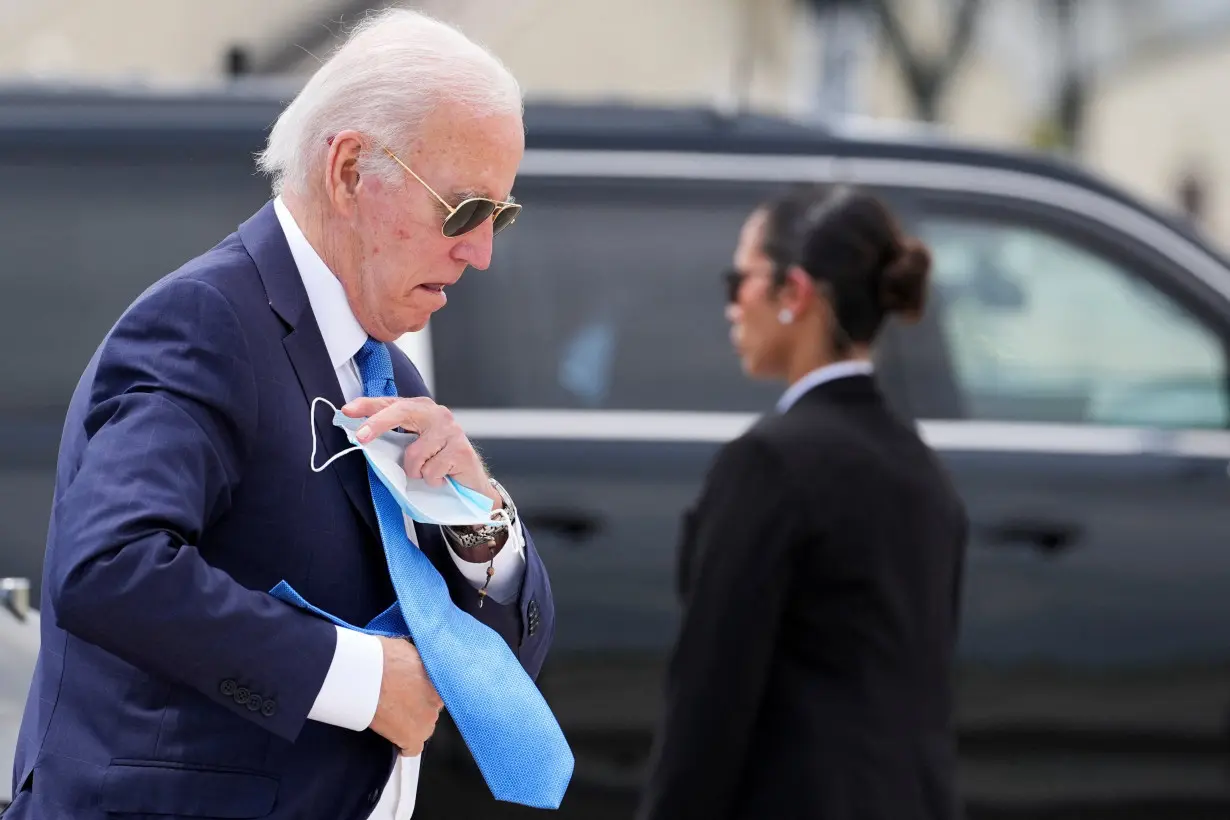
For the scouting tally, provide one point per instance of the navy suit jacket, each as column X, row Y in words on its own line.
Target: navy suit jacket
column 168, row 681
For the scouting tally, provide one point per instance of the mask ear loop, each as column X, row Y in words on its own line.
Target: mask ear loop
column 312, row 424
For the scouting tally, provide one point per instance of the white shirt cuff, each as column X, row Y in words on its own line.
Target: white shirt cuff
column 351, row 690
column 509, row 565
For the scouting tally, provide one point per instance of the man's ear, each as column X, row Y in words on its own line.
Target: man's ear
column 342, row 178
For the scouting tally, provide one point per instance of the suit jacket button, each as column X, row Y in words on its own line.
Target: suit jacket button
column 241, row 695
column 268, row 708
column 227, row 688
column 532, row 612
column 255, row 703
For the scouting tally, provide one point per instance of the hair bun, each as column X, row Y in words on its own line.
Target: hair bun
column 903, row 285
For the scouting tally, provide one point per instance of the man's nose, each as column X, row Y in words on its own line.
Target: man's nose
column 733, row 313
column 475, row 247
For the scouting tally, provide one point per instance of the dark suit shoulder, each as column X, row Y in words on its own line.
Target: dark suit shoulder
column 816, row 428
column 227, row 269
column 760, row 444
column 847, row 446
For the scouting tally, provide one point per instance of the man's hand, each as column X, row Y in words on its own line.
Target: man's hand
column 409, row 706
column 441, row 449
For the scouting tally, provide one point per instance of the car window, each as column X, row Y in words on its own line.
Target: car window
column 1039, row 329
column 604, row 295
column 82, row 239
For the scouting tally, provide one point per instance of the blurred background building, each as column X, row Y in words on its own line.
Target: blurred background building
column 1131, row 87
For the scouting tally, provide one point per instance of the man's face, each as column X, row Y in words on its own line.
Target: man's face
column 401, row 263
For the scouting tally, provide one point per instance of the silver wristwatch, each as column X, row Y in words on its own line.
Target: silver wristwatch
column 477, row 536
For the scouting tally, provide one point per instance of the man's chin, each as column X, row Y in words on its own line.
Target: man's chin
column 415, row 325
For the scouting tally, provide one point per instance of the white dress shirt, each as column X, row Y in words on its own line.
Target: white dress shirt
column 817, row 377
column 351, row 689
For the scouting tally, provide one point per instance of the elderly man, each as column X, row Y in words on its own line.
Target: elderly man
column 224, row 632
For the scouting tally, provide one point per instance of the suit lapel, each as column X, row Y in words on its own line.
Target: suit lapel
column 307, row 352
column 266, row 243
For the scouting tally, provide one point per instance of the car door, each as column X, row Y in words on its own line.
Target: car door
column 591, row 365
column 1076, row 385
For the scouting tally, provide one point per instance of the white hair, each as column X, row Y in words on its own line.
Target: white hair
column 391, row 72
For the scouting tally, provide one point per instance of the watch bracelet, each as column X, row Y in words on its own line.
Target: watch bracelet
column 469, row 537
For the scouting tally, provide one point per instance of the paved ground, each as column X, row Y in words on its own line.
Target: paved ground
column 18, row 651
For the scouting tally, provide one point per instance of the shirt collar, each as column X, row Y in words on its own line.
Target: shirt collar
column 817, row 377
column 343, row 334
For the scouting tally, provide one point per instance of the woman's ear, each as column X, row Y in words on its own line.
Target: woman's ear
column 798, row 293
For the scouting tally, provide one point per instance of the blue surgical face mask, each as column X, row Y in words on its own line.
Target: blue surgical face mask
column 450, row 504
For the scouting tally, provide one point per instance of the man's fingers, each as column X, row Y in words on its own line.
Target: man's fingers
column 423, row 449
column 412, row 414
column 441, row 448
column 443, row 463
column 366, row 406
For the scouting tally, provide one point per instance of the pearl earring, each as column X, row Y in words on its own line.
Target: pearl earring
column 786, row 316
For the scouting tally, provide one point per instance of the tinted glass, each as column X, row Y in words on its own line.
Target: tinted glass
column 82, row 239
column 1039, row 329
column 605, row 295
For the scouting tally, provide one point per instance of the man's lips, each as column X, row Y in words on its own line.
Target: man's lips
column 434, row 292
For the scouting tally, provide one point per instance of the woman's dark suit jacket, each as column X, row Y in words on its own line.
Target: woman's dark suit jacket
column 820, row 574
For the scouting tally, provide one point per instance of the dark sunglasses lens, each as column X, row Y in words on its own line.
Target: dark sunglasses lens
column 505, row 218
column 468, row 216
column 733, row 280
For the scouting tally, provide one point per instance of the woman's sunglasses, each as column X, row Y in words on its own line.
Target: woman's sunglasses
column 734, row 279
column 471, row 212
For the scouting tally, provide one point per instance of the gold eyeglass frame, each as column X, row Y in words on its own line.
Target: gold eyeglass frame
column 498, row 207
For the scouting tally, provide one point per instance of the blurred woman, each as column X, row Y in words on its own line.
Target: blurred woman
column 820, row 567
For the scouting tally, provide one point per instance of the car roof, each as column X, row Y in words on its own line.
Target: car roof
column 236, row 116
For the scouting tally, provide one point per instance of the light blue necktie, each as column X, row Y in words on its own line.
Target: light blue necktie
column 506, row 723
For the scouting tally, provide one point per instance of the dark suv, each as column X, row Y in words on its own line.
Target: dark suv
column 1072, row 370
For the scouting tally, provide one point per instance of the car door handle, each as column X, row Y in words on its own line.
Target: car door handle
column 575, row 525
column 1045, row 535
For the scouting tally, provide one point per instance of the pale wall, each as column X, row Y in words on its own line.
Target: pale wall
column 1148, row 122
column 983, row 103
column 175, row 41
column 675, row 52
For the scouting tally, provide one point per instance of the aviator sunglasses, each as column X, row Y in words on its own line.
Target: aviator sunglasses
column 470, row 213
